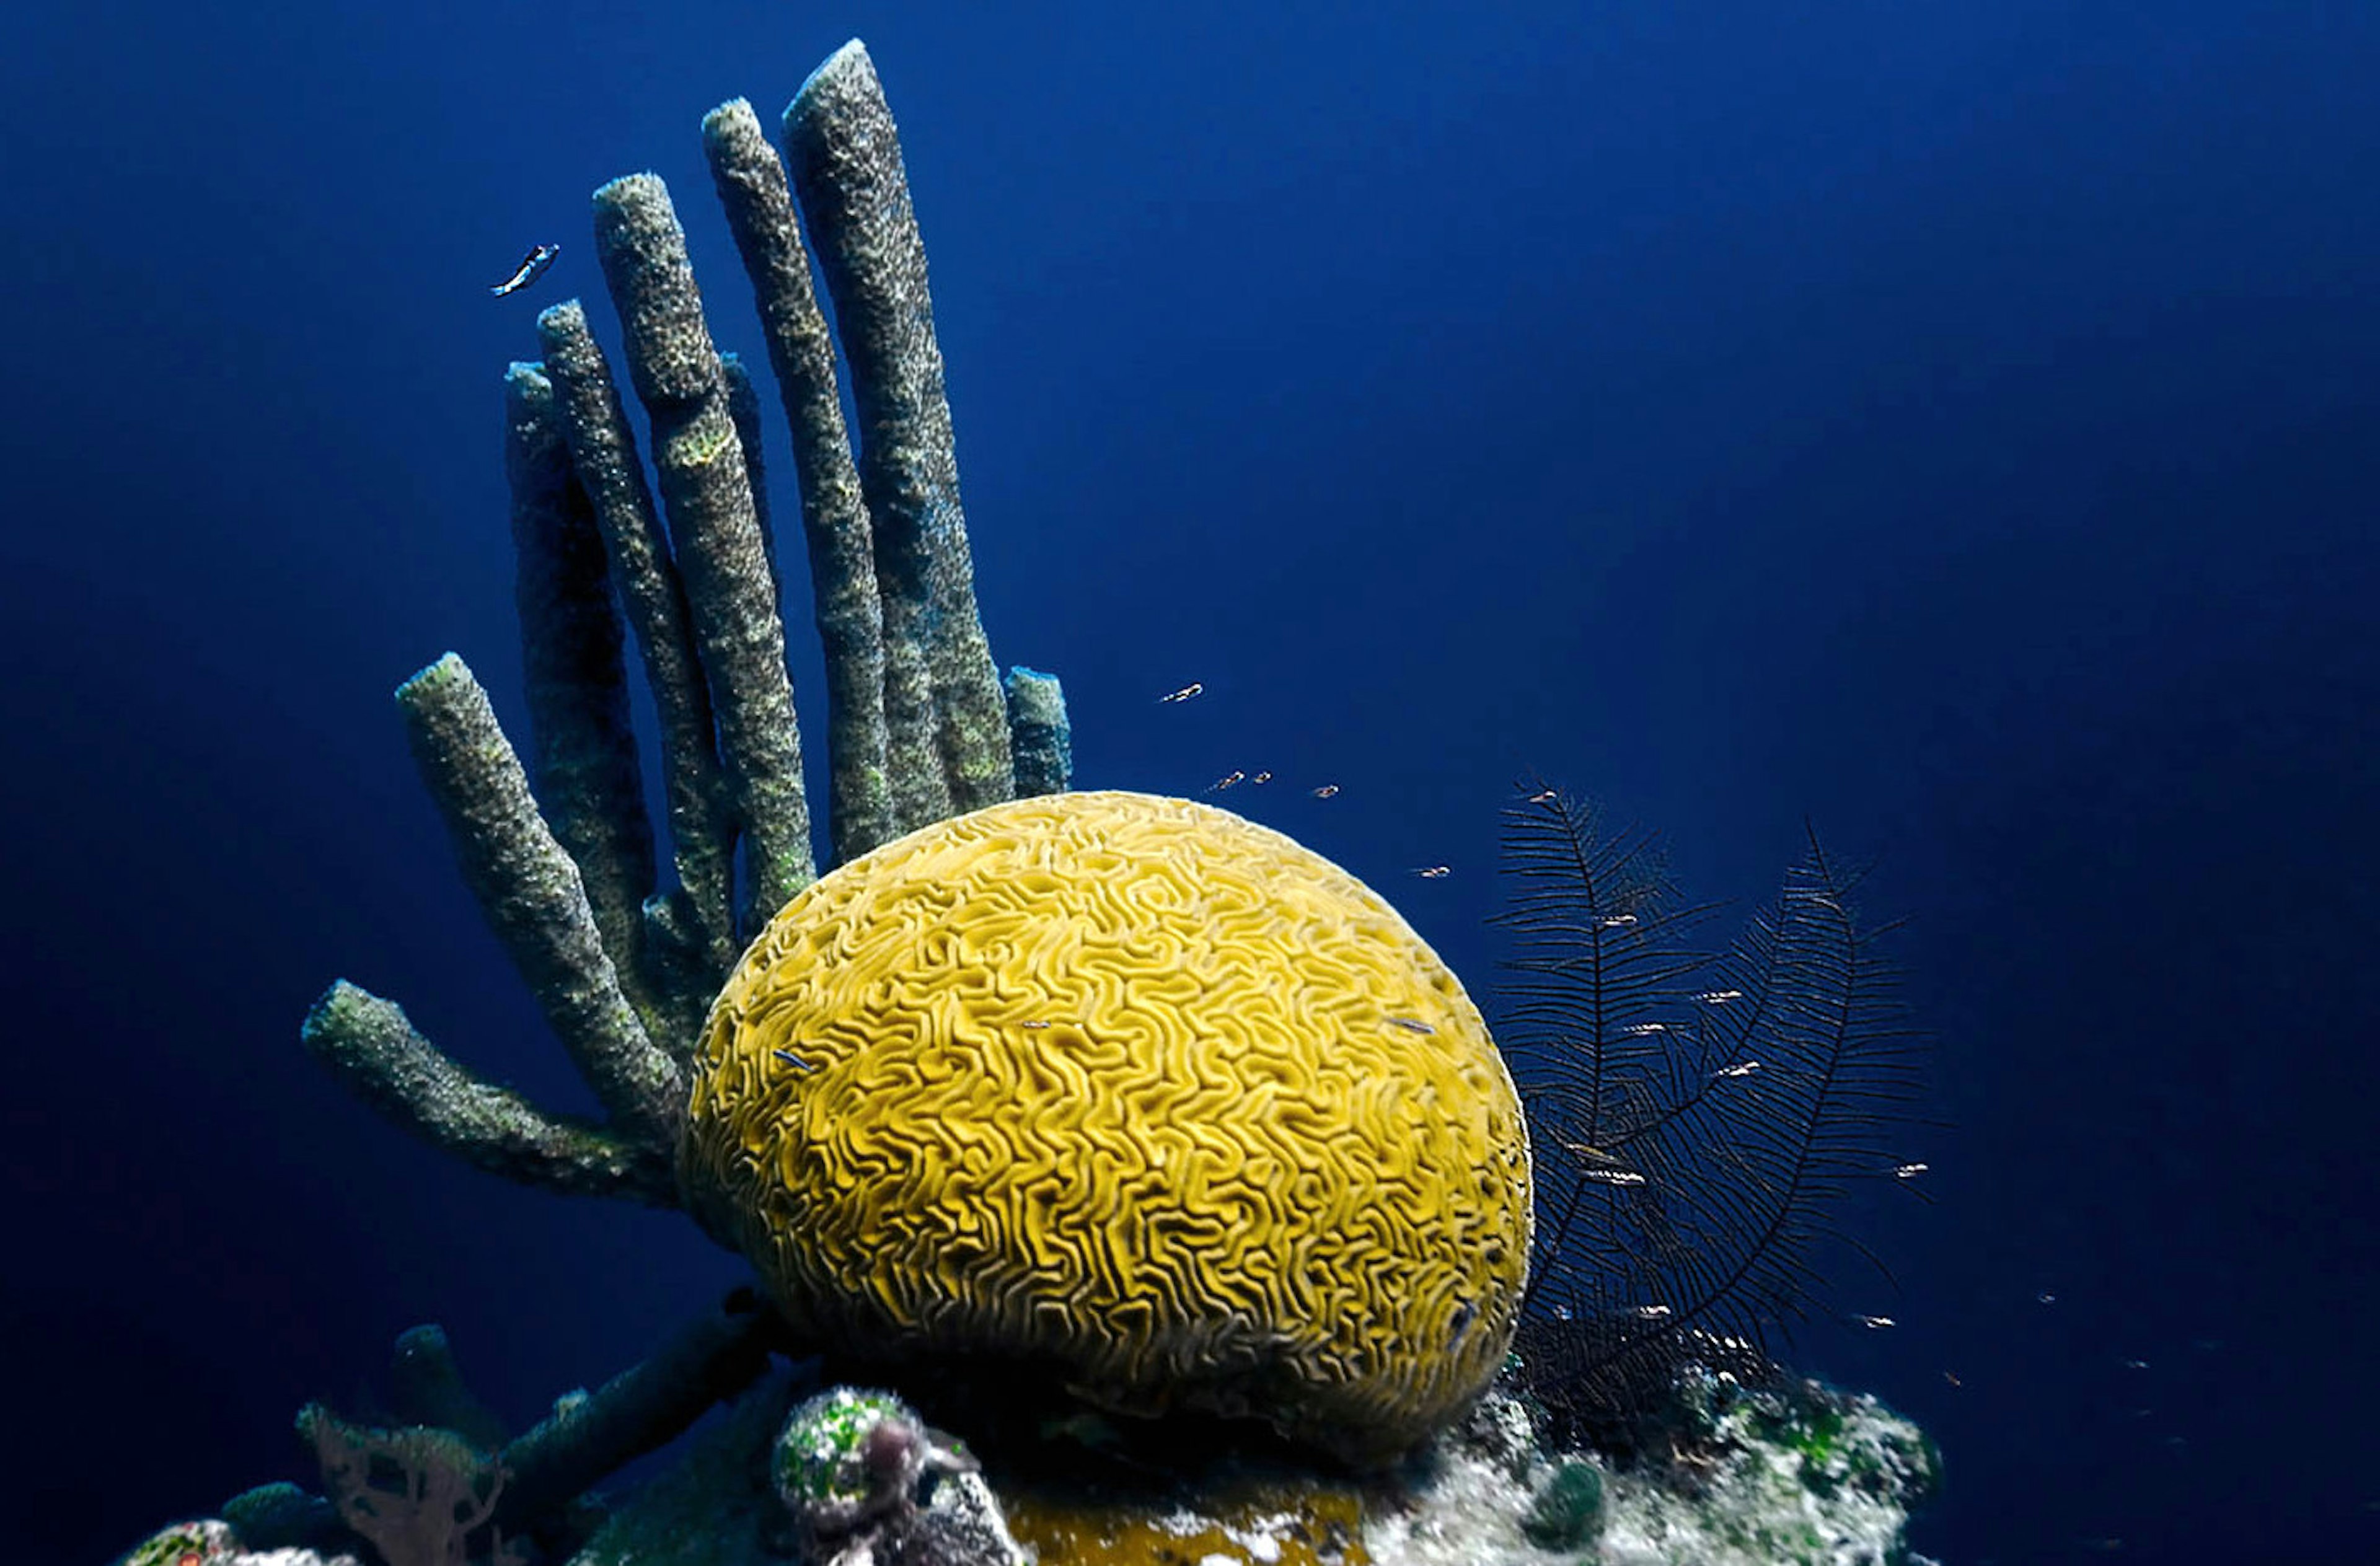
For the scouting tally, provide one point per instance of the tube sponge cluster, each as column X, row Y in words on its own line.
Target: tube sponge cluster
column 1133, row 1087
column 665, row 554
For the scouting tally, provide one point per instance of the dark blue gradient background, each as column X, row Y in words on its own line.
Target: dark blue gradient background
column 1955, row 423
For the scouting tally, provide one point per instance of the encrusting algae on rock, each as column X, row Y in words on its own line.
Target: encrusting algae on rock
column 863, row 1478
column 212, row 1543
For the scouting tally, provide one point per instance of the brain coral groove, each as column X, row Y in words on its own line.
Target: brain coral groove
column 1132, row 1087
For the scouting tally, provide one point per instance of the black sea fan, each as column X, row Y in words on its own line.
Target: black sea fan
column 1696, row 1117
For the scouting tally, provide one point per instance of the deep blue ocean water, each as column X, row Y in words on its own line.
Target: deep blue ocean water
column 1956, row 424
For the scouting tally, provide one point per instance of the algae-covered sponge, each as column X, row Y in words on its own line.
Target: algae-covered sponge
column 1134, row 1089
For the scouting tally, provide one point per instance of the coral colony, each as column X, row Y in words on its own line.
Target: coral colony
column 1152, row 1157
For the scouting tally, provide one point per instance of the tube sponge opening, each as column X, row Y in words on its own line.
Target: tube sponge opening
column 1134, row 1088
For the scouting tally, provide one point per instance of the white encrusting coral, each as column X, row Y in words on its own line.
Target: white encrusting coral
column 1756, row 1478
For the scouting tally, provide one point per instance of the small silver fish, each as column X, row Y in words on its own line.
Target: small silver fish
column 1327, row 790
column 792, row 1060
column 531, row 268
column 1261, row 778
column 1219, row 784
column 1185, row 694
column 1409, row 1025
column 1602, row 1167
column 1433, row 872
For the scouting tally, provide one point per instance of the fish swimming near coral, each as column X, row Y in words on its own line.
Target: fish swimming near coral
column 533, row 267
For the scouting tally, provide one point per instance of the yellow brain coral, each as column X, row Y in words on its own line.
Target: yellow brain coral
column 1135, row 1088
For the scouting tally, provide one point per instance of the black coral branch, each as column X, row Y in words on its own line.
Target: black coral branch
column 1696, row 1118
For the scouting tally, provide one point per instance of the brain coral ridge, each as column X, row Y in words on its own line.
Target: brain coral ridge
column 1133, row 1087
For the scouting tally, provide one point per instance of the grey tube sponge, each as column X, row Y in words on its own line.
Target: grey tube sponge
column 699, row 462
column 603, row 454
column 372, row 1049
column 1040, row 736
column 710, row 1359
column 624, row 964
column 751, row 184
column 585, row 753
column 844, row 155
column 532, row 897
column 426, row 1386
column 744, row 409
column 535, row 1479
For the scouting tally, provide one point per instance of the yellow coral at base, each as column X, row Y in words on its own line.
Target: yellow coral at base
column 1240, row 1524
column 1134, row 1088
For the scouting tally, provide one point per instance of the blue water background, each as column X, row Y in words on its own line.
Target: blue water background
column 1958, row 424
